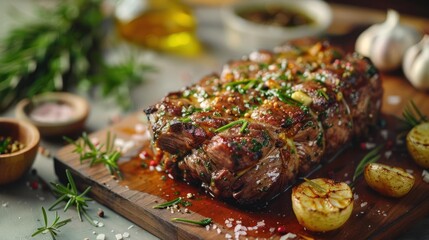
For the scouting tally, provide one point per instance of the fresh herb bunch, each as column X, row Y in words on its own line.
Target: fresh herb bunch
column 60, row 50
column 54, row 228
column 70, row 194
column 102, row 153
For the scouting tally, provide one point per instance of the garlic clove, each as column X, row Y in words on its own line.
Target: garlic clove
column 386, row 43
column 416, row 64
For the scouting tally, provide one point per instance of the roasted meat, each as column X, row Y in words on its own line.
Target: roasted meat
column 247, row 133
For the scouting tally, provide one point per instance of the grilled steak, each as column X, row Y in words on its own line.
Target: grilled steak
column 247, row 133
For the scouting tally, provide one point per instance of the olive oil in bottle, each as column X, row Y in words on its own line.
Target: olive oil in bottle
column 164, row 25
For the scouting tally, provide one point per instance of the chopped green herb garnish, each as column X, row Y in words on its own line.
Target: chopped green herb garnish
column 169, row 203
column 322, row 94
column 204, row 222
column 241, row 122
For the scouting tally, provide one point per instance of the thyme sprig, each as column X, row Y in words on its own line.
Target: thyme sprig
column 412, row 116
column 244, row 123
column 105, row 154
column 70, row 194
column 372, row 156
column 203, row 222
column 53, row 229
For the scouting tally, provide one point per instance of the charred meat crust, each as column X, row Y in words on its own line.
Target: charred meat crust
column 247, row 133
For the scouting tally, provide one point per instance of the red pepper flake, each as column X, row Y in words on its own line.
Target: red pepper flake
column 34, row 185
column 367, row 145
column 282, row 230
column 153, row 163
column 389, row 144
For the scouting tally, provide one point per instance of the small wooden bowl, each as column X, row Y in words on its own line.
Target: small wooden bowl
column 74, row 124
column 14, row 165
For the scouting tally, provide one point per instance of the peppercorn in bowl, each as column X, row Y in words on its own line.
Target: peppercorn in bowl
column 19, row 141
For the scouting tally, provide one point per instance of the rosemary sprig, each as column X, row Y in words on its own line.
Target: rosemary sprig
column 241, row 122
column 204, row 222
column 53, row 229
column 70, row 194
column 102, row 153
column 61, row 49
column 412, row 116
column 315, row 185
column 169, row 203
column 370, row 157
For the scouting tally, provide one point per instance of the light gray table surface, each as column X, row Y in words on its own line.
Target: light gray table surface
column 20, row 206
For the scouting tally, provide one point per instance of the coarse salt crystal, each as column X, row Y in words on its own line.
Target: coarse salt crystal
column 387, row 154
column 410, row 171
column 288, row 236
column 237, row 228
column 126, row 234
column 118, row 236
column 214, row 226
column 260, row 223
column 425, row 175
column 207, row 227
column 384, row 134
column 101, row 236
column 6, row 204
column 272, row 229
column 363, row 204
column 228, row 225
column 218, row 231
column 139, row 128
column 130, row 227
column 393, row 99
column 100, row 224
column 158, row 168
column 228, row 236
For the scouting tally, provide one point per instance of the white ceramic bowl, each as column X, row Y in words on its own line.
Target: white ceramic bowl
column 244, row 36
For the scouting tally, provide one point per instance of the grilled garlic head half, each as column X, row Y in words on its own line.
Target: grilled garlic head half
column 418, row 144
column 387, row 180
column 321, row 204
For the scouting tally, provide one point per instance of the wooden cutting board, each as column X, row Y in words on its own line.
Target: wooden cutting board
column 374, row 216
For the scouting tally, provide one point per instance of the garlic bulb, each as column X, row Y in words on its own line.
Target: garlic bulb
column 386, row 43
column 416, row 64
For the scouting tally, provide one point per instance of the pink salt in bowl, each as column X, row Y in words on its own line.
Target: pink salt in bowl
column 54, row 114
